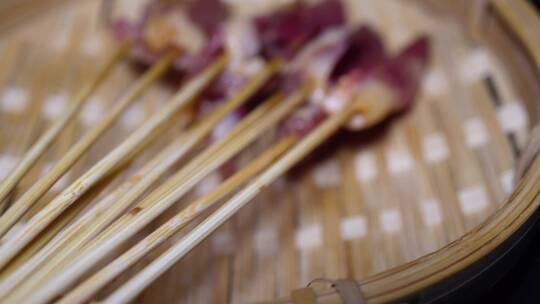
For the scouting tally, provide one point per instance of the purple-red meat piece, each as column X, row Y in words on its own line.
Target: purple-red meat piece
column 403, row 73
column 364, row 53
column 284, row 32
column 208, row 15
column 303, row 121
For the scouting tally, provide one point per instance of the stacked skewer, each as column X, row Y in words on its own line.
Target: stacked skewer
column 47, row 257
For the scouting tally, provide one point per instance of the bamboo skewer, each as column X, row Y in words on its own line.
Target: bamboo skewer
column 84, row 291
column 159, row 200
column 128, row 148
column 61, row 259
column 37, row 150
column 29, row 198
column 112, row 206
column 135, row 285
column 54, row 229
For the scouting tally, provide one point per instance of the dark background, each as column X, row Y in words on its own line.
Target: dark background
column 522, row 284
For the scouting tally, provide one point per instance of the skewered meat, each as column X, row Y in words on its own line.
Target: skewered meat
column 349, row 62
column 200, row 36
column 326, row 50
column 208, row 15
column 368, row 72
column 284, row 32
column 404, row 72
column 400, row 76
column 303, row 121
column 184, row 26
column 365, row 51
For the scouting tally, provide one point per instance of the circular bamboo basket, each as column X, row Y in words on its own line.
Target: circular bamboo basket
column 433, row 209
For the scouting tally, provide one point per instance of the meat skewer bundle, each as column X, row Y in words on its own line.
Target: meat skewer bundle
column 299, row 69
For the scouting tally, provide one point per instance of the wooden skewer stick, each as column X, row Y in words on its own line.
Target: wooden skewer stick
column 61, row 259
column 158, row 201
column 37, row 150
column 135, row 285
column 56, row 228
column 113, row 205
column 136, row 141
column 84, row 291
column 29, row 198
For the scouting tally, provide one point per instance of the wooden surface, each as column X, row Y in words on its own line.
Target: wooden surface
column 362, row 207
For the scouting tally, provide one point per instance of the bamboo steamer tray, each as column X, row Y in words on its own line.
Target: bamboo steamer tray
column 423, row 211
